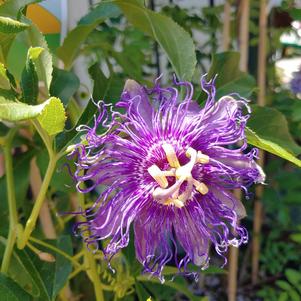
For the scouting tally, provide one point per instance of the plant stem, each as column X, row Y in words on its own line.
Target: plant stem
column 91, row 264
column 11, row 197
column 31, row 222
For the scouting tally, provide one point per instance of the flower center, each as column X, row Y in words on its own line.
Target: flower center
column 171, row 195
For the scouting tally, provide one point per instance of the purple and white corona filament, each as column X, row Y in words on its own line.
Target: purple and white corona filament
column 169, row 168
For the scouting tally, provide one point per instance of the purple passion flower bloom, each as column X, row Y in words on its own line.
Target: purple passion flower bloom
column 167, row 167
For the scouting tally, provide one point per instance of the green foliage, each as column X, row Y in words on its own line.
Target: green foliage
column 9, row 290
column 177, row 43
column 8, row 25
column 29, row 78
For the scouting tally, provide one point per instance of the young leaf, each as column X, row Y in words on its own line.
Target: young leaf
column 52, row 117
column 175, row 41
column 11, row 291
column 51, row 113
column 9, row 25
column 71, row 45
column 4, row 80
column 29, row 78
column 43, row 62
column 64, row 84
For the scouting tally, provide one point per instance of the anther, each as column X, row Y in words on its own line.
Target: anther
column 171, row 155
column 158, row 175
column 200, row 187
column 201, row 158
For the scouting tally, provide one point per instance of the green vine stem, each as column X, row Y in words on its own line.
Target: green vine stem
column 91, row 264
column 11, row 197
column 31, row 222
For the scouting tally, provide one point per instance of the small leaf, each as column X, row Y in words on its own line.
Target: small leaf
column 9, row 25
column 293, row 276
column 52, row 117
column 64, row 84
column 71, row 45
column 284, row 285
column 51, row 113
column 43, row 62
column 296, row 237
column 175, row 41
column 11, row 291
column 4, row 80
column 29, row 78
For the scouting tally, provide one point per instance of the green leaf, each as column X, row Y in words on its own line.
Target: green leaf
column 268, row 130
column 52, row 117
column 43, row 62
column 283, row 285
column 64, row 84
column 13, row 8
column 71, row 45
column 293, row 276
column 4, row 80
column 11, row 291
column 142, row 293
column 296, row 237
column 9, row 25
column 230, row 79
column 270, row 147
column 107, row 89
column 175, row 41
column 29, row 79
column 51, row 113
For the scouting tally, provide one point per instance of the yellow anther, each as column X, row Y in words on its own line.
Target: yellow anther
column 200, row 187
column 201, row 158
column 158, row 176
column 171, row 155
column 178, row 203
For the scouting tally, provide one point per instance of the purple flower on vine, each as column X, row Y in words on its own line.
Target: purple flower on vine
column 167, row 167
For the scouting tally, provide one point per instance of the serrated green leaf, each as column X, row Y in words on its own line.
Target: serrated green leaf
column 43, row 62
column 50, row 114
column 4, row 80
column 11, row 291
column 71, row 45
column 29, row 78
column 9, row 25
column 175, row 41
column 53, row 117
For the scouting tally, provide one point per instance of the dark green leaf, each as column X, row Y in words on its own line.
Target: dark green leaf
column 230, row 79
column 64, row 84
column 71, row 45
column 142, row 293
column 11, row 291
column 29, row 78
column 175, row 41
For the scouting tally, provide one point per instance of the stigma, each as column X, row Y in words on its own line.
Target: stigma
column 170, row 195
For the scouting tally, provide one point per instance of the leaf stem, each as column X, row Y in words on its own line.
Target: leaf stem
column 31, row 222
column 11, row 197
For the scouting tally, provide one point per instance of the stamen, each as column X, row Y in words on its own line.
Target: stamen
column 202, row 158
column 158, row 176
column 200, row 187
column 185, row 170
column 171, row 155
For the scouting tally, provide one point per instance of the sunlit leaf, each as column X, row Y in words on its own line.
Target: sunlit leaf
column 4, row 80
column 9, row 25
column 175, row 41
column 29, row 79
column 51, row 113
column 71, row 45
